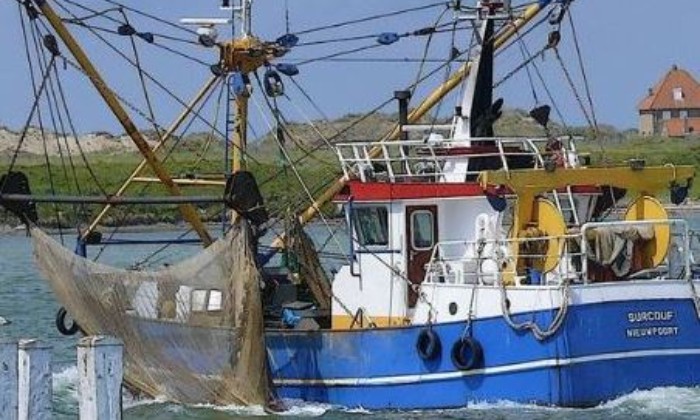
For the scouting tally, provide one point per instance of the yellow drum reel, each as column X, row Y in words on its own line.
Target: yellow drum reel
column 544, row 255
column 649, row 208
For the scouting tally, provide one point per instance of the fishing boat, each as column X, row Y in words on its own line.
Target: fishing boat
column 480, row 268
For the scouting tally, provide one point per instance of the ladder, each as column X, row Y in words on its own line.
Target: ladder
column 567, row 206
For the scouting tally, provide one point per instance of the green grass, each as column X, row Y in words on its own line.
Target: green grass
column 281, row 188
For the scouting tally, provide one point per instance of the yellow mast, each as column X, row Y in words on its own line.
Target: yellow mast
column 189, row 213
column 168, row 134
column 240, row 137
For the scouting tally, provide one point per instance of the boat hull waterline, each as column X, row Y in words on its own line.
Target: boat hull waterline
column 602, row 351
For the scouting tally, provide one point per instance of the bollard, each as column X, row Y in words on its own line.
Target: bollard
column 8, row 380
column 35, row 380
column 100, row 372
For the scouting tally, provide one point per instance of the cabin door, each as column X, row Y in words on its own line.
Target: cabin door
column 421, row 237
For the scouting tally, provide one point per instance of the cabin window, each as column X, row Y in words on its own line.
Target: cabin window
column 372, row 225
column 207, row 300
column 422, row 230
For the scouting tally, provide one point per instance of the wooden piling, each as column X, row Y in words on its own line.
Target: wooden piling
column 8, row 380
column 35, row 387
column 100, row 373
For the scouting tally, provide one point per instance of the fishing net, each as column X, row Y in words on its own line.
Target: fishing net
column 192, row 332
column 310, row 269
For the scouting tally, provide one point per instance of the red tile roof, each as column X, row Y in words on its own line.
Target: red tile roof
column 662, row 95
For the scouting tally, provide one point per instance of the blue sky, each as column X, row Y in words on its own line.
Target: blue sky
column 627, row 46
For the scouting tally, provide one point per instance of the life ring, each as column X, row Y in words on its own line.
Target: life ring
column 428, row 344
column 467, row 353
column 61, row 323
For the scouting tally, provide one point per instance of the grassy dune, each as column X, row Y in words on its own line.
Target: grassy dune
column 280, row 185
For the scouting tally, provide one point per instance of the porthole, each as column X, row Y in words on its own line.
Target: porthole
column 453, row 308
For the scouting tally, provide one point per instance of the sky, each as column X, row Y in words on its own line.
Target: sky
column 627, row 46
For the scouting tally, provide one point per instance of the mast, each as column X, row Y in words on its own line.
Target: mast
column 501, row 39
column 238, row 98
column 189, row 213
column 167, row 136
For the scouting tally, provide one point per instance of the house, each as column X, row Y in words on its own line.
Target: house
column 672, row 107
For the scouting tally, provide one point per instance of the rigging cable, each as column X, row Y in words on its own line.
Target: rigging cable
column 368, row 18
column 24, row 7
column 169, row 152
column 144, row 88
column 59, row 130
column 584, row 74
column 148, row 75
column 292, row 166
column 76, row 20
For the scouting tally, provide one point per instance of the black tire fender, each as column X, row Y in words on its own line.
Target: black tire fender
column 428, row 344
column 467, row 353
column 61, row 323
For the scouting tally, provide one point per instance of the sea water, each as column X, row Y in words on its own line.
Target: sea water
column 27, row 301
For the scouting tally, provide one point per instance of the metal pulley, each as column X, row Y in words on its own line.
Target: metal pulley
column 240, row 84
column 553, row 39
column 273, row 83
column 287, row 69
column 51, row 44
column 556, row 15
column 288, row 41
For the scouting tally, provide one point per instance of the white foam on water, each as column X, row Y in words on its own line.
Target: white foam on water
column 295, row 408
column 669, row 400
column 254, row 411
column 129, row 401
column 65, row 382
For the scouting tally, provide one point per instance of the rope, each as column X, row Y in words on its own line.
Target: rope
column 532, row 326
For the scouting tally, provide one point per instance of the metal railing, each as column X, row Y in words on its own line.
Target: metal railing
column 494, row 261
column 444, row 160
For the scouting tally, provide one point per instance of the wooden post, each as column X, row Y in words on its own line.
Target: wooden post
column 35, row 380
column 8, row 380
column 100, row 372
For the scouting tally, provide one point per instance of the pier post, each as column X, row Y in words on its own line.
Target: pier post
column 100, row 372
column 35, row 380
column 8, row 380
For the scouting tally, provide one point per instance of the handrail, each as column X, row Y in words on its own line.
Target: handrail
column 442, row 260
column 684, row 224
column 397, row 157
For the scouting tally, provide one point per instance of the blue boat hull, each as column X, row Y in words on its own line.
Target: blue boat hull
column 602, row 351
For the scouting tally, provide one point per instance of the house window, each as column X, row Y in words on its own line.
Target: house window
column 666, row 115
column 684, row 114
column 372, row 225
column 678, row 94
column 675, row 114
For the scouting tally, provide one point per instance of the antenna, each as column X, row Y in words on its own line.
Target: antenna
column 486, row 9
column 241, row 9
